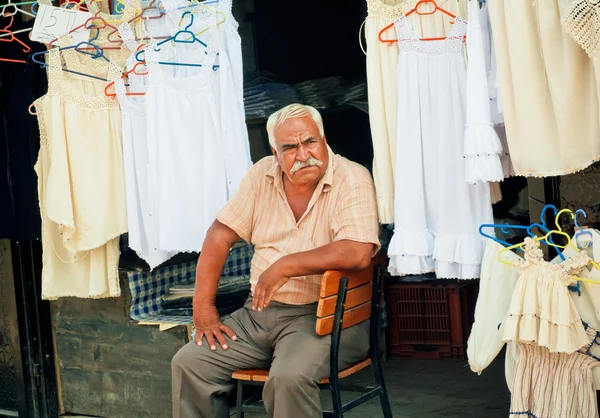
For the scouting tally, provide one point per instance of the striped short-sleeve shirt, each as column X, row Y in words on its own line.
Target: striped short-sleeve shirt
column 343, row 207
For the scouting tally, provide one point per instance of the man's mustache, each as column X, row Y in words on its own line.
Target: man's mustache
column 308, row 163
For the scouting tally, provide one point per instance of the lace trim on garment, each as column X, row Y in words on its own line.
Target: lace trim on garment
column 522, row 173
column 39, row 110
column 377, row 9
column 567, row 268
column 551, row 321
column 408, row 40
column 582, row 23
column 60, row 86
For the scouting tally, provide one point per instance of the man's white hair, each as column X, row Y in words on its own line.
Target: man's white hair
column 294, row 110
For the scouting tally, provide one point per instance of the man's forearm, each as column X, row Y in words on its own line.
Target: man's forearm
column 213, row 256
column 338, row 255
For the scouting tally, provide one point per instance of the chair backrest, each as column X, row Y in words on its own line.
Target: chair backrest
column 357, row 307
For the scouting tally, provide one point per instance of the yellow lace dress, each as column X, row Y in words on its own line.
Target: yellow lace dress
column 541, row 310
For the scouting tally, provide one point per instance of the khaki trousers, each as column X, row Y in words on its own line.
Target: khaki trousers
column 281, row 337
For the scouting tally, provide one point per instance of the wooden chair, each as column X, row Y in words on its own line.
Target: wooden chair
column 346, row 299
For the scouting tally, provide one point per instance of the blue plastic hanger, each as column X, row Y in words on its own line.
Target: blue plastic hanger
column 505, row 229
column 580, row 230
column 97, row 53
column 184, row 36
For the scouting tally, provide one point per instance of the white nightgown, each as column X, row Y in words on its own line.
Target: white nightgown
column 437, row 214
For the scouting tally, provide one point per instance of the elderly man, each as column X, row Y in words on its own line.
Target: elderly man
column 305, row 210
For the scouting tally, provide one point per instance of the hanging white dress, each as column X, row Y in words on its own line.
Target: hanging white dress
column 142, row 201
column 185, row 148
column 437, row 213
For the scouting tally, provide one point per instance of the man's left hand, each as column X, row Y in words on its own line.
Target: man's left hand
column 268, row 283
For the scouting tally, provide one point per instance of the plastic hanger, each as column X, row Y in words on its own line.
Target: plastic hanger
column 578, row 228
column 570, row 244
column 559, row 228
column 140, row 15
column 102, row 24
column 132, row 71
column 547, row 238
column 436, row 8
column 576, row 288
column 16, row 9
column 99, row 53
column 182, row 36
column 506, row 228
column 12, row 38
column 197, row 3
column 129, row 93
column 521, row 244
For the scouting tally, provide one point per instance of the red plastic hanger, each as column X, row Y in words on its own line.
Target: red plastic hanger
column 97, row 22
column 12, row 38
column 141, row 15
column 132, row 71
column 436, row 8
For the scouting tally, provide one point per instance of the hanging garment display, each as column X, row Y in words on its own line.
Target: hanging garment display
column 547, row 384
column 586, row 302
column 437, row 212
column 541, row 309
column 548, row 87
column 80, row 180
column 20, row 84
column 382, row 61
column 550, row 328
column 189, row 168
column 192, row 94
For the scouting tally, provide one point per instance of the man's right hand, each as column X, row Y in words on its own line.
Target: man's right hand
column 208, row 324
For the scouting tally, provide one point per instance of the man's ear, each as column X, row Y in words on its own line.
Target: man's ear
column 324, row 139
column 273, row 151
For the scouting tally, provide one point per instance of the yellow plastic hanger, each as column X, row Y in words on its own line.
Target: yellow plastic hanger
column 520, row 245
column 545, row 238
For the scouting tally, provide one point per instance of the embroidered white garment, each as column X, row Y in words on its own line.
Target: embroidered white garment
column 185, row 150
column 482, row 145
column 142, row 202
column 437, row 214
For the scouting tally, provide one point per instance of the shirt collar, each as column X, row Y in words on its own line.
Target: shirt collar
column 274, row 174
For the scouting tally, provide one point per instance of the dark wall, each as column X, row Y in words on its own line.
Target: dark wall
column 309, row 39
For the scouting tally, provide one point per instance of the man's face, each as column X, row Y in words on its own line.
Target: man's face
column 301, row 150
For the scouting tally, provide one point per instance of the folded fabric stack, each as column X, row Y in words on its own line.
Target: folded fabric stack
column 320, row 93
column 263, row 95
column 231, row 295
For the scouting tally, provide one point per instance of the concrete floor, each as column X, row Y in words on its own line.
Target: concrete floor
column 433, row 388
column 444, row 388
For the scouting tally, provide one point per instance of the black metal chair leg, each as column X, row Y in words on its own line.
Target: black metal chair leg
column 336, row 398
column 238, row 407
column 383, row 396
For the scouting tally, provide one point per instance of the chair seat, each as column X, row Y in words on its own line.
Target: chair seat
column 259, row 375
